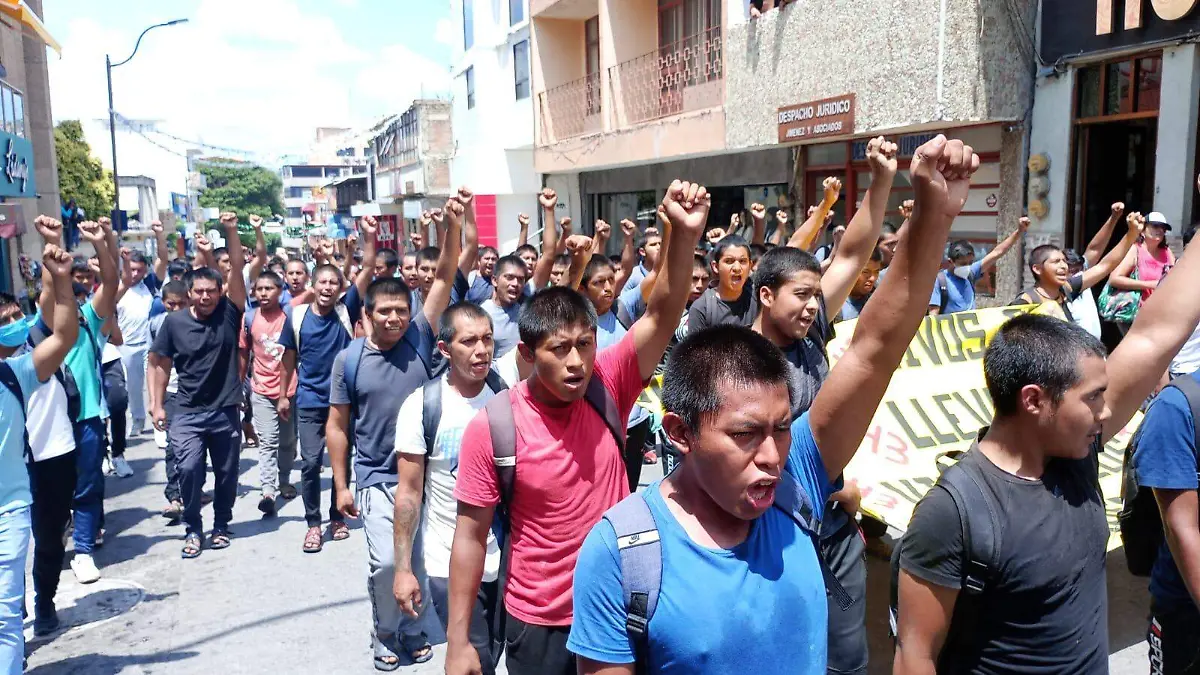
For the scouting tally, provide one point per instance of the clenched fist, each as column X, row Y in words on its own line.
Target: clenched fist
column 628, row 228
column 57, row 261
column 548, row 199
column 1118, row 208
column 833, row 188
column 1136, row 222
column 603, row 230
column 714, row 235
column 523, row 219
column 256, row 221
column 941, row 175
column 687, row 206
column 881, row 156
column 1023, row 224
column 758, row 211
column 578, row 244
column 228, row 219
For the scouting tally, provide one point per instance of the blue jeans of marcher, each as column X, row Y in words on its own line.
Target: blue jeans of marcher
column 14, row 547
column 89, row 482
column 194, row 438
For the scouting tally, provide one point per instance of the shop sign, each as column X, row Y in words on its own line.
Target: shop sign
column 816, row 119
column 908, row 146
column 1076, row 27
column 18, row 167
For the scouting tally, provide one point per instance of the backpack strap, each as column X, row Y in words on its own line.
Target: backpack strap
column 8, row 378
column 641, row 562
column 980, row 531
column 343, row 316
column 248, row 319
column 503, row 429
column 431, row 412
column 601, row 400
column 1190, row 388
column 943, row 291
column 297, row 321
column 71, row 389
column 354, row 352
column 495, row 382
column 791, row 498
column 623, row 316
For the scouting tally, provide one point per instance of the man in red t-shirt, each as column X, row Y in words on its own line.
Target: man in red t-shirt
column 269, row 344
column 569, row 470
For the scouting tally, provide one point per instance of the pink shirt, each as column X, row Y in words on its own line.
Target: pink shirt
column 569, row 472
column 269, row 343
column 1153, row 266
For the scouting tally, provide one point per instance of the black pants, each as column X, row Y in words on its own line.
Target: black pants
column 635, row 450
column 311, row 432
column 845, row 553
column 116, row 394
column 52, row 483
column 1174, row 640
column 171, row 491
column 537, row 650
column 196, row 436
column 483, row 614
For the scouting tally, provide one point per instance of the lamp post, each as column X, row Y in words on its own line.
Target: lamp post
column 112, row 113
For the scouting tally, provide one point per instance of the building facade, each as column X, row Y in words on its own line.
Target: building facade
column 410, row 157
column 1115, row 115
column 630, row 94
column 29, row 172
column 493, row 115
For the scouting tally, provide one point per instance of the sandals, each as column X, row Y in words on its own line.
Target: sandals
column 313, row 543
column 425, row 651
column 218, row 540
column 173, row 511
column 338, row 531
column 191, row 546
column 381, row 653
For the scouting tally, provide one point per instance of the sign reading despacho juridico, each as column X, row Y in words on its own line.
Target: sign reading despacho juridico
column 817, row 119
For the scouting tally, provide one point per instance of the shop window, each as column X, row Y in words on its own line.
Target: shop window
column 1121, row 87
column 828, row 154
column 521, row 69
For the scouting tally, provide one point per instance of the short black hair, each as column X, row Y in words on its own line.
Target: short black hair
column 876, row 255
column 614, row 259
column 727, row 242
column 701, row 262
column 388, row 257
column 489, row 249
column 1040, row 254
column 189, row 279
column 1073, row 257
column 7, row 300
column 560, row 259
column 217, row 253
column 137, row 257
column 525, row 248
column 298, row 261
column 177, row 288
column 510, row 261
column 80, row 265
column 1035, row 349
column 326, row 267
column 594, row 267
column 780, row 264
column 177, row 268
column 389, row 287
column 551, row 309
column 756, row 252
column 271, row 277
column 1189, row 233
column 464, row 309
column 719, row 354
column 887, row 229
column 960, row 249
column 430, row 254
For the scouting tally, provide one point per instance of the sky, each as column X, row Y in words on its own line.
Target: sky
column 256, row 75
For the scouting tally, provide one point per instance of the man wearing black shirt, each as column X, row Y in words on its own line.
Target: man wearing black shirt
column 1043, row 607
column 202, row 344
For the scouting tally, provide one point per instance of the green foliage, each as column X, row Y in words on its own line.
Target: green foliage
column 241, row 187
column 80, row 175
column 274, row 241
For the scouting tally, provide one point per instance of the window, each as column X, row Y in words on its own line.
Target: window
column 294, row 212
column 468, row 24
column 298, row 192
column 516, row 12
column 470, row 76
column 19, row 113
column 521, row 68
column 8, row 110
column 306, row 172
column 1122, row 87
column 591, row 61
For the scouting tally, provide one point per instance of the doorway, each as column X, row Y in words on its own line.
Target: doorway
column 1114, row 161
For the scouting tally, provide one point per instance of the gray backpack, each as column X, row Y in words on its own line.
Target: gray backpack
column 641, row 557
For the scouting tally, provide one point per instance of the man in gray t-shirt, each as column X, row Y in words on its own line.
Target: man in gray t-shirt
column 505, row 304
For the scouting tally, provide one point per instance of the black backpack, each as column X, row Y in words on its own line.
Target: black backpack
column 1139, row 519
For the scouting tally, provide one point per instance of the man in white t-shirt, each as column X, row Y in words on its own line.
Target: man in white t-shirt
column 134, row 299
column 465, row 340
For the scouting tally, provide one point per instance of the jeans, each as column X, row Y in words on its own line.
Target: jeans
column 276, row 444
column 845, row 553
column 1174, row 640
column 310, row 424
column 14, row 547
column 171, row 491
column 537, row 650
column 52, row 482
column 134, row 359
column 219, row 433
column 377, row 504
column 89, row 483
column 117, row 396
column 482, row 619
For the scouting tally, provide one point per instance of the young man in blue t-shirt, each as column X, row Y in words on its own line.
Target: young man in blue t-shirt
column 959, row 281
column 744, row 571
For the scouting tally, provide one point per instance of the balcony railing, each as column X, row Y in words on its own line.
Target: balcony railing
column 570, row 110
column 676, row 78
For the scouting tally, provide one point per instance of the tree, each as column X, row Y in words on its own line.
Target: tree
column 80, row 175
column 242, row 187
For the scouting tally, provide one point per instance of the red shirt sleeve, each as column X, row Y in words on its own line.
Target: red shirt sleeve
column 476, row 484
column 617, row 367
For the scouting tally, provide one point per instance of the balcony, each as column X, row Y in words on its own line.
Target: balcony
column 676, row 78
column 570, row 110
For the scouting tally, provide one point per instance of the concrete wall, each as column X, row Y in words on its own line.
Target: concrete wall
column 752, row 168
column 1051, row 136
column 1175, row 165
column 562, row 41
column 916, row 69
column 634, row 29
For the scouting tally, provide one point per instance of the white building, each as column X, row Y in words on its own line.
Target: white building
column 493, row 115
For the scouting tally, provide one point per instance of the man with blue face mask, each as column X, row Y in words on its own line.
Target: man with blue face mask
column 20, row 377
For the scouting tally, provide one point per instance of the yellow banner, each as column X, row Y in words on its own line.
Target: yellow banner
column 936, row 403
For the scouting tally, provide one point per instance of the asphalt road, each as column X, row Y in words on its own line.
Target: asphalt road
column 263, row 605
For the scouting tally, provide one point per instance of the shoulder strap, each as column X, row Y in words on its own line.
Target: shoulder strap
column 943, row 291
column 1190, row 389
column 495, row 382
column 623, row 316
column 641, row 568
column 354, row 352
column 8, row 378
column 297, row 320
column 343, row 316
column 794, row 501
column 248, row 320
column 981, row 534
column 431, row 412
column 503, row 429
column 71, row 388
column 601, row 400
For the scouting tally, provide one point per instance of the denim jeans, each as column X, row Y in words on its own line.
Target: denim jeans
column 89, row 482
column 14, row 547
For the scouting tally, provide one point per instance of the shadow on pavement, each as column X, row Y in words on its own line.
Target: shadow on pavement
column 103, row 664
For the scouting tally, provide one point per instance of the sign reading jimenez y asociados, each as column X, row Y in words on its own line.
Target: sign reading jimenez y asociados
column 816, row 119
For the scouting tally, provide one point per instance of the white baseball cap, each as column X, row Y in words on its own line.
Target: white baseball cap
column 1156, row 218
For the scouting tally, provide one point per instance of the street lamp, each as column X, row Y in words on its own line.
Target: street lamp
column 112, row 113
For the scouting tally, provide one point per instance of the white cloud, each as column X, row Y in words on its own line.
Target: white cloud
column 444, row 33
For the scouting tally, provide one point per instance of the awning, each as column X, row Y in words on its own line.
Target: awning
column 20, row 11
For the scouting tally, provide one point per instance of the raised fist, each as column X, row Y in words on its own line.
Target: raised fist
column 156, row 227
column 465, row 196
column 1023, row 224
column 437, row 216
column 662, row 216
column 941, row 175
column 351, row 240
column 758, row 211
column 1136, row 222
column 368, row 226
column 418, row 239
column 781, row 217
column 58, row 261
column 833, row 188
column 603, row 230
column 125, row 253
column 92, row 232
column 881, row 156
column 687, row 206
column 105, row 222
column 577, row 244
column 906, row 208
column 255, row 221
column 548, row 199
column 523, row 219
column 1118, row 208
column 714, row 235
column 426, row 218
column 49, row 228
column 454, row 209
column 628, row 228
column 203, row 244
column 228, row 219
column 565, row 224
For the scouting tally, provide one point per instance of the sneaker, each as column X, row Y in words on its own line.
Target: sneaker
column 108, row 467
column 85, row 569
column 267, row 504
column 121, row 467
column 45, row 621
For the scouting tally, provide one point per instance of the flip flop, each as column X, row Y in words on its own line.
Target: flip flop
column 382, row 652
column 218, row 540
column 425, row 651
column 338, row 531
column 191, row 546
